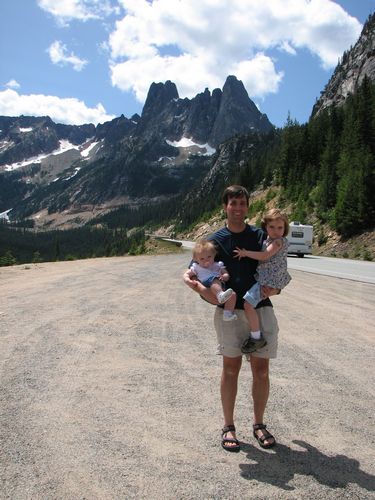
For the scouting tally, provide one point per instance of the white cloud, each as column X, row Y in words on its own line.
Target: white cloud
column 12, row 84
column 145, row 70
column 286, row 47
column 65, row 11
column 69, row 110
column 197, row 43
column 258, row 75
column 58, row 55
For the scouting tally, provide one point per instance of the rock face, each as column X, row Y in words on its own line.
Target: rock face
column 116, row 129
column 158, row 97
column 237, row 112
column 357, row 63
column 27, row 136
column 207, row 118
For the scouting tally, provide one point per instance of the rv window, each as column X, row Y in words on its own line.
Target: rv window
column 297, row 234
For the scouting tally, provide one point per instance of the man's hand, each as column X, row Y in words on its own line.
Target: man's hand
column 190, row 279
column 268, row 291
column 192, row 282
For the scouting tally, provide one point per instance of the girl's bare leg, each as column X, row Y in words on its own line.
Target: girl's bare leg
column 252, row 317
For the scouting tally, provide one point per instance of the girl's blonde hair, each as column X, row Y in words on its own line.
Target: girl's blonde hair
column 204, row 245
column 274, row 214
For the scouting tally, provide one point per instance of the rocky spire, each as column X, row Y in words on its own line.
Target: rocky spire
column 237, row 113
column 159, row 95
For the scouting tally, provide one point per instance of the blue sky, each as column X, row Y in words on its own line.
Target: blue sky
column 82, row 61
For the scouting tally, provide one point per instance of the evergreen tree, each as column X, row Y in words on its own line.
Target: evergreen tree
column 328, row 174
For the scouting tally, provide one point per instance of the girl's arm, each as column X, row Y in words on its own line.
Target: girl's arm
column 271, row 250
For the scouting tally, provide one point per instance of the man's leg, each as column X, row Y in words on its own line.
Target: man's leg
column 228, row 388
column 260, row 390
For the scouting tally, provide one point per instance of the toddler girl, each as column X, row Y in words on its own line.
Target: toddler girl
column 271, row 272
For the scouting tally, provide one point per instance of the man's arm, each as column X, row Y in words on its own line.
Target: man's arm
column 190, row 279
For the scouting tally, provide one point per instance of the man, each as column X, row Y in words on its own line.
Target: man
column 231, row 335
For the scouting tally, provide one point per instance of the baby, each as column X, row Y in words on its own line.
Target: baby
column 213, row 275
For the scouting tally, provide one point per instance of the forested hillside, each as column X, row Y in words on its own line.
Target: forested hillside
column 24, row 245
column 325, row 168
column 328, row 165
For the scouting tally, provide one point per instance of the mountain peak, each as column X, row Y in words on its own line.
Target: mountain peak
column 158, row 97
column 232, row 80
column 237, row 112
column 235, row 89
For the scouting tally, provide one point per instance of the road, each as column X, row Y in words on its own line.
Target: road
column 110, row 388
column 356, row 270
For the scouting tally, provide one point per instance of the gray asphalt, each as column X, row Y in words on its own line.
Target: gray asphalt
column 355, row 270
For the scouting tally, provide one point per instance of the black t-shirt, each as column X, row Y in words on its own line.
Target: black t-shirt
column 241, row 271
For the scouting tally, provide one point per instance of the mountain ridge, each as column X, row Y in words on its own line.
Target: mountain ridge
column 126, row 160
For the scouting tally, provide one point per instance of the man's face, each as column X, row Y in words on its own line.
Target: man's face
column 236, row 209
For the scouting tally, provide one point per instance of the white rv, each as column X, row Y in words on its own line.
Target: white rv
column 300, row 238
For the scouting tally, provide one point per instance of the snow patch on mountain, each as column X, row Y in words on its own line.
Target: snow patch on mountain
column 4, row 145
column 86, row 151
column 4, row 215
column 186, row 142
column 64, row 146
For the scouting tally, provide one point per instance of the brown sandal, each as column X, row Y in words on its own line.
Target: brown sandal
column 265, row 436
column 224, row 440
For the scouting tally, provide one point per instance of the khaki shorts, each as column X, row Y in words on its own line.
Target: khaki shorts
column 231, row 334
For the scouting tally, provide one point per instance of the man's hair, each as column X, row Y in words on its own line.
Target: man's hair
column 274, row 214
column 204, row 245
column 235, row 192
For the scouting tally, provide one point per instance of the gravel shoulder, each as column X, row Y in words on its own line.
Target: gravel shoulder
column 110, row 388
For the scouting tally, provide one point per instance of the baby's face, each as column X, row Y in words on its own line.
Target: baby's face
column 206, row 258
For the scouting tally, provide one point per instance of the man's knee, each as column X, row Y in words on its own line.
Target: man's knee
column 260, row 368
column 231, row 366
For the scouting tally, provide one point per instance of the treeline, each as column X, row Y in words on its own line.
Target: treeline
column 152, row 215
column 19, row 246
column 328, row 165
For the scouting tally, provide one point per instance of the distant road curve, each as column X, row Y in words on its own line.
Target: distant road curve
column 355, row 270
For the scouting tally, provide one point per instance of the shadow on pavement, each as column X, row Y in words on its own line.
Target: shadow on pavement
column 279, row 466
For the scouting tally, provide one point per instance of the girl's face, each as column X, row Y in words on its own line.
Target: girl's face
column 206, row 258
column 275, row 228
